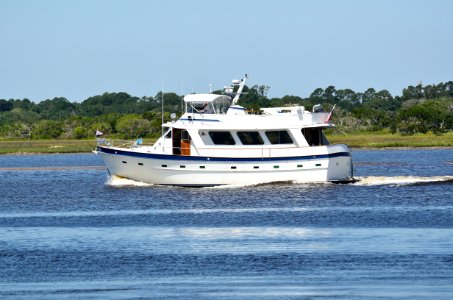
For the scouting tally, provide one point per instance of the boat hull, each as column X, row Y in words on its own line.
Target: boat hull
column 334, row 165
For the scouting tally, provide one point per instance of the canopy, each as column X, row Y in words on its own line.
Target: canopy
column 205, row 97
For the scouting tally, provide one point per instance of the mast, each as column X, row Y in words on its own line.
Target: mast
column 239, row 91
column 162, row 109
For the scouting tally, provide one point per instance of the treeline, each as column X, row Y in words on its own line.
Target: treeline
column 418, row 110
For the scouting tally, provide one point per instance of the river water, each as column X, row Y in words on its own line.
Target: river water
column 67, row 230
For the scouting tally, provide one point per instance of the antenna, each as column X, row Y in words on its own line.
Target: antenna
column 162, row 101
column 182, row 97
column 241, row 86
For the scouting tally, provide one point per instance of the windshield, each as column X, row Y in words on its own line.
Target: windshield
column 218, row 106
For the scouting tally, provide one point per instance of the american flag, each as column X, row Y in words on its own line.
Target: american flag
column 330, row 115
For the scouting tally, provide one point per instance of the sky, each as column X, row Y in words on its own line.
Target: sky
column 81, row 48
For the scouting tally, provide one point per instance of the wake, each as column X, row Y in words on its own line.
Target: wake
column 401, row 180
column 116, row 181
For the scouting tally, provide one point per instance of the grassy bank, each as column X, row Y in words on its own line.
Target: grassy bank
column 388, row 140
column 46, row 146
column 54, row 146
column 363, row 140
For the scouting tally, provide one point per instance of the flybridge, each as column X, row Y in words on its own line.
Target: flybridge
column 217, row 104
column 207, row 103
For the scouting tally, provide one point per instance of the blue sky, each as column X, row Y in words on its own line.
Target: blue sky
column 80, row 48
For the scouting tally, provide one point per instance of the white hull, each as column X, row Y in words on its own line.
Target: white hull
column 333, row 163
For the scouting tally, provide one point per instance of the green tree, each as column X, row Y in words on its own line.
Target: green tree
column 254, row 98
column 15, row 130
column 316, row 96
column 103, row 127
column 47, row 129
column 56, row 109
column 80, row 132
column 382, row 100
column 5, row 105
column 132, row 126
column 431, row 115
column 346, row 98
column 368, row 95
column 290, row 100
column 17, row 123
column 24, row 104
column 110, row 103
column 330, row 95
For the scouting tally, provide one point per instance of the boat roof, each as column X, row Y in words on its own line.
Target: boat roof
column 205, row 97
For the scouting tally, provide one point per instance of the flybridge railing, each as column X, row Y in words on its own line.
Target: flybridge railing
column 120, row 143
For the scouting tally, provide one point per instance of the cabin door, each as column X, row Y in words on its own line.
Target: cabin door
column 176, row 137
column 185, row 143
column 181, row 142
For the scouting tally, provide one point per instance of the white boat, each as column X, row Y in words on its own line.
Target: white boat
column 217, row 142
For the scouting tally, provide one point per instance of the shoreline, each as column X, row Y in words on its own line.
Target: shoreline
column 357, row 141
column 352, row 149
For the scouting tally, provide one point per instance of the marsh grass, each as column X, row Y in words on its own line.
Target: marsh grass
column 357, row 140
column 388, row 140
column 46, row 146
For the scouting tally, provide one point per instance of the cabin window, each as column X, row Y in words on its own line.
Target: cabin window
column 314, row 136
column 222, row 138
column 279, row 137
column 250, row 137
column 198, row 107
column 185, row 135
column 168, row 134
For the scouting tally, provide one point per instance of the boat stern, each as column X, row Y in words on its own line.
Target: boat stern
column 340, row 167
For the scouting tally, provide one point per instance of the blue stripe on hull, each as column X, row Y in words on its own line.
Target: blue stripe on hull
column 200, row 120
column 216, row 159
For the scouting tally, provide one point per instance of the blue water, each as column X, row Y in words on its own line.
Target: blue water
column 74, row 233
